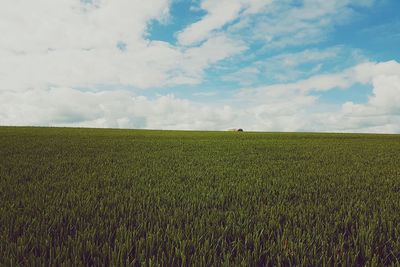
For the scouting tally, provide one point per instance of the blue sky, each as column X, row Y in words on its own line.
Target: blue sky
column 262, row 65
column 372, row 32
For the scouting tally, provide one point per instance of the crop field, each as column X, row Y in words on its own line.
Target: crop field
column 71, row 197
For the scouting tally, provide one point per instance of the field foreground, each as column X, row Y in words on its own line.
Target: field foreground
column 135, row 197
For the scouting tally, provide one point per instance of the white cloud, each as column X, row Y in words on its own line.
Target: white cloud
column 36, row 26
column 292, row 66
column 289, row 67
column 75, row 44
column 212, row 93
column 66, row 107
column 380, row 114
column 305, row 56
column 287, row 23
column 363, row 73
column 245, row 76
column 216, row 48
column 219, row 13
column 286, row 107
column 71, row 107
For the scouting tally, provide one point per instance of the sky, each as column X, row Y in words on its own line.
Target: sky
column 260, row 65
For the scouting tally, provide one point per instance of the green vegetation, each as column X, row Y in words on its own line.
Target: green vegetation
column 132, row 197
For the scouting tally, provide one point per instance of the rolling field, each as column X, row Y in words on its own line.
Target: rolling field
column 146, row 198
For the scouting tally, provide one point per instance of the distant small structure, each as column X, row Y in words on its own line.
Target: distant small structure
column 236, row 130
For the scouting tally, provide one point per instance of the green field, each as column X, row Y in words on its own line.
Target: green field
column 136, row 197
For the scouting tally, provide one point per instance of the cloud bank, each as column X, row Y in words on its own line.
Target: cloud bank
column 282, row 107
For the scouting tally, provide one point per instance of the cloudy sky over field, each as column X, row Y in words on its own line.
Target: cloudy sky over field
column 287, row 65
